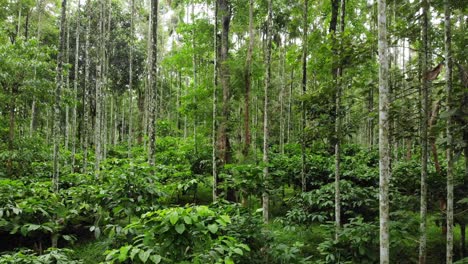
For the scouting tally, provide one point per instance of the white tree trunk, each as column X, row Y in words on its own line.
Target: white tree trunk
column 448, row 79
column 424, row 134
column 384, row 148
column 58, row 90
column 75, row 86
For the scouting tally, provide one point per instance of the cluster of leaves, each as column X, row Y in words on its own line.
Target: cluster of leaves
column 192, row 234
column 358, row 240
column 52, row 255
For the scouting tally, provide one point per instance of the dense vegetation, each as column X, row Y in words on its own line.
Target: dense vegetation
column 233, row 131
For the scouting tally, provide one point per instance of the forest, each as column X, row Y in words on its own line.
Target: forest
column 233, row 131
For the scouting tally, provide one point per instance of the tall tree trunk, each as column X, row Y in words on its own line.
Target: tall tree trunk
column 86, row 93
column 448, row 77
column 195, row 81
column 248, row 83
column 58, row 90
column 304, row 88
column 67, row 87
column 75, row 85
column 432, row 136
column 281, row 97
column 11, row 133
column 130, row 80
column 266, row 178
column 384, row 148
column 215, row 87
column 224, row 147
column 153, row 83
column 291, row 84
column 338, row 113
column 98, row 94
column 424, row 134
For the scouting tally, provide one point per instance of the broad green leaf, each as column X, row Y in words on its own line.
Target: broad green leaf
column 238, row 251
column 173, row 218
column 180, row 228
column 188, row 220
column 156, row 259
column 144, row 255
column 33, row 227
column 213, row 228
column 123, row 253
column 228, row 260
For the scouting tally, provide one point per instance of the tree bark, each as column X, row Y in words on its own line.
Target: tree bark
column 86, row 93
column 448, row 79
column 432, row 136
column 266, row 195
column 153, row 83
column 338, row 113
column 130, row 80
column 304, row 89
column 224, row 147
column 424, row 135
column 75, row 86
column 67, row 87
column 215, row 87
column 248, row 83
column 58, row 90
column 384, row 149
column 195, row 82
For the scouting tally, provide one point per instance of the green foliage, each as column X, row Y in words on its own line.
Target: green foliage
column 178, row 234
column 52, row 255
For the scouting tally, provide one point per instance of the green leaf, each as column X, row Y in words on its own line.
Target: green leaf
column 144, row 255
column 134, row 252
column 123, row 253
column 173, row 218
column 33, row 227
column 238, row 251
column 180, row 228
column 156, row 259
column 188, row 220
column 213, row 228
column 228, row 260
column 226, row 218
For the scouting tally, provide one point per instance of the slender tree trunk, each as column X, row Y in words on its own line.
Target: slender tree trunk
column 153, row 83
column 195, row 81
column 384, row 149
column 99, row 85
column 248, row 83
column 215, row 87
column 67, row 87
column 338, row 113
column 304, row 88
column 130, row 81
column 288, row 131
column 33, row 105
column 75, row 86
column 11, row 133
column 266, row 177
column 424, row 135
column 432, row 136
column 86, row 94
column 281, row 98
column 448, row 77
column 58, row 90
column 18, row 28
